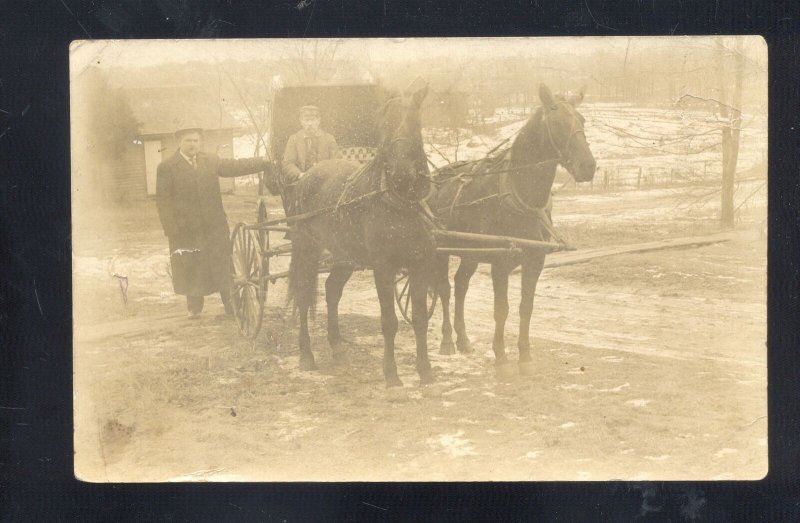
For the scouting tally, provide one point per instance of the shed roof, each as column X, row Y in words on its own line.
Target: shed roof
column 165, row 109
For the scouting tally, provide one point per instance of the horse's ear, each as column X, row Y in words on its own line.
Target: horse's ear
column 419, row 96
column 546, row 97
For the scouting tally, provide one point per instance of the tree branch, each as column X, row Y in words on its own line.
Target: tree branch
column 721, row 104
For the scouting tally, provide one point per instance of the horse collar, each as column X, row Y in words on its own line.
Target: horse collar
column 512, row 200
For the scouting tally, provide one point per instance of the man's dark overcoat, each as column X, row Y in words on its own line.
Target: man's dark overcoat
column 190, row 208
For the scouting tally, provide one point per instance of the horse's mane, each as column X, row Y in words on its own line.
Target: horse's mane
column 530, row 131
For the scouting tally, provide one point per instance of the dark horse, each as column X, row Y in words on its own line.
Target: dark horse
column 368, row 217
column 509, row 195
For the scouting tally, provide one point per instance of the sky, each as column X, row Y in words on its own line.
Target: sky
column 140, row 53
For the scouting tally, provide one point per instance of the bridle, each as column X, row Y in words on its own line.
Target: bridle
column 388, row 172
column 561, row 158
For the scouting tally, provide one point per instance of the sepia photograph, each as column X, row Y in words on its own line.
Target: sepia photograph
column 419, row 259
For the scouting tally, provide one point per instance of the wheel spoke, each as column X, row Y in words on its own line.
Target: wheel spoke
column 246, row 251
column 253, row 309
column 405, row 288
column 235, row 255
column 251, row 253
column 243, row 308
column 242, row 253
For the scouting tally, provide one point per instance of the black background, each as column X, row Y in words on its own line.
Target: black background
column 36, row 482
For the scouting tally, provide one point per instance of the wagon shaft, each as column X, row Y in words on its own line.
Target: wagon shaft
column 464, row 251
column 490, row 239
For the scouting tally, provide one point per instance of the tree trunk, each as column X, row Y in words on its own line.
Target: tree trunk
column 730, row 133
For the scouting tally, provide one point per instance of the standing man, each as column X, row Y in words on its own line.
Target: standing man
column 308, row 146
column 190, row 208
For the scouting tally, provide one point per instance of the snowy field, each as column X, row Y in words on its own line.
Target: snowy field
column 634, row 146
column 664, row 144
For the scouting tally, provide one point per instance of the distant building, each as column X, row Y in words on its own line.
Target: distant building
column 160, row 111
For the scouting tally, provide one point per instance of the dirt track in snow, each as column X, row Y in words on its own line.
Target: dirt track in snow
column 651, row 366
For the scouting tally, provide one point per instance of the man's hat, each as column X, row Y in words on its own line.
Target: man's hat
column 309, row 110
column 186, row 130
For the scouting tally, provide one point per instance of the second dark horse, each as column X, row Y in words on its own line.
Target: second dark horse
column 369, row 217
column 509, row 196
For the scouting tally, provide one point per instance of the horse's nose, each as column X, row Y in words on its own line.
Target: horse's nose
column 588, row 168
column 591, row 166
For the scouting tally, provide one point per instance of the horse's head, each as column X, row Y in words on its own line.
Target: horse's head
column 401, row 146
column 562, row 130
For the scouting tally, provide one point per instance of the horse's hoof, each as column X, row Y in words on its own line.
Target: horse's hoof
column 427, row 378
column 393, row 382
column 396, row 394
column 527, row 368
column 464, row 346
column 432, row 390
column 447, row 348
column 307, row 364
column 341, row 358
column 505, row 371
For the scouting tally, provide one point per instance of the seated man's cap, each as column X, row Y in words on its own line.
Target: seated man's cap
column 309, row 110
column 186, row 130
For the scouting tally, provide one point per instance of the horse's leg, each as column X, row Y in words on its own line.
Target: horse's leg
column 465, row 271
column 419, row 279
column 531, row 269
column 500, row 273
column 304, row 340
column 443, row 289
column 384, row 275
column 303, row 272
column 333, row 293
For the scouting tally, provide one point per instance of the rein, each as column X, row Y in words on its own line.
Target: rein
column 506, row 190
column 388, row 195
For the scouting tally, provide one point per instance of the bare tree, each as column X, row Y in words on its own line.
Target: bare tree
column 732, row 116
column 312, row 62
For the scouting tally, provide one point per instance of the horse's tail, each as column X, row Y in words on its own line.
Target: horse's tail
column 303, row 273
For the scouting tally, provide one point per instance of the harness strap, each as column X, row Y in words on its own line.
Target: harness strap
column 462, row 182
column 351, row 181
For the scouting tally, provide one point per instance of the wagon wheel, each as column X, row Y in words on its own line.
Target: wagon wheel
column 263, row 234
column 249, row 269
column 403, row 297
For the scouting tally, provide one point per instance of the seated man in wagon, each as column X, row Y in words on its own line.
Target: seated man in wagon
column 308, row 146
column 305, row 148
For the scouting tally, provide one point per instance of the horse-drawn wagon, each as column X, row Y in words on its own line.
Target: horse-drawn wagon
column 494, row 210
